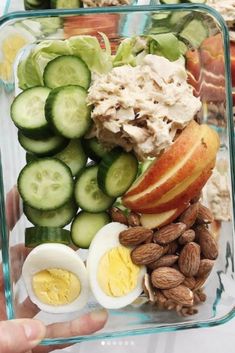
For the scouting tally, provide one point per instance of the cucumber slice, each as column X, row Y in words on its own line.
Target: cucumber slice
column 169, row 2
column 65, row 4
column 30, row 157
column 73, row 156
column 55, row 218
column 67, row 70
column 36, row 4
column 194, row 33
column 27, row 111
column 85, row 226
column 43, row 147
column 117, row 171
column 87, row 193
column 94, row 149
column 35, row 236
column 67, row 112
column 160, row 16
column 45, row 184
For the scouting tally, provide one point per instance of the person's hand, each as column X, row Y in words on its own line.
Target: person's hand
column 24, row 335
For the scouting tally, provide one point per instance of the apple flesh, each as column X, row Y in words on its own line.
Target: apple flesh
column 158, row 220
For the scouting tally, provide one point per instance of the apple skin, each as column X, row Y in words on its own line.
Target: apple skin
column 182, row 198
column 201, row 157
column 170, row 158
column 158, row 220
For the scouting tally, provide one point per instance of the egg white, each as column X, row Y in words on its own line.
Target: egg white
column 47, row 256
column 106, row 239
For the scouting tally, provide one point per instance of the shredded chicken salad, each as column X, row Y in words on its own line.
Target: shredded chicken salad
column 141, row 108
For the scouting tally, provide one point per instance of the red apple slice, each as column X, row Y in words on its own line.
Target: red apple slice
column 168, row 160
column 181, row 194
column 157, row 220
column 200, row 156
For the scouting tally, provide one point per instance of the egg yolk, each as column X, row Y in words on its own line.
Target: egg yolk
column 117, row 275
column 56, row 286
column 10, row 47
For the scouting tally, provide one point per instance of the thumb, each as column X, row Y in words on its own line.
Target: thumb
column 19, row 336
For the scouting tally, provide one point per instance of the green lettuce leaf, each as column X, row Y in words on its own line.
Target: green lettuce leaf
column 27, row 75
column 164, row 44
column 89, row 50
column 124, row 54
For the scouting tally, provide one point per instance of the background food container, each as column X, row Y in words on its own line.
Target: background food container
column 15, row 5
column 211, row 81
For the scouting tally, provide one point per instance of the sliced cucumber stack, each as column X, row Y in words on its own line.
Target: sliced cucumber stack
column 45, row 184
column 35, row 236
column 55, row 218
column 27, row 111
column 67, row 112
column 43, row 147
column 117, row 171
column 67, row 70
column 88, row 194
column 85, row 226
column 73, row 156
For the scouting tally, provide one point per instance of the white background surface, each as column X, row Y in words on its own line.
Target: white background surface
column 212, row 340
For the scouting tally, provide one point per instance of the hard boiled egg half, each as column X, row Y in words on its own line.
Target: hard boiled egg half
column 56, row 278
column 114, row 279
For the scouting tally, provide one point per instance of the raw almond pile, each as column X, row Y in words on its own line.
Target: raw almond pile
column 179, row 257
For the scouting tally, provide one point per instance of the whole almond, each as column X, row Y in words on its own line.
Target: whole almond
column 180, row 294
column 189, row 259
column 160, row 299
column 134, row 236
column 207, row 242
column 189, row 216
column 117, row 215
column 187, row 237
column 189, row 282
column 204, row 215
column 149, row 240
column 164, row 261
column 201, row 295
column 200, row 281
column 205, row 267
column 171, row 248
column 133, row 219
column 146, row 253
column 169, row 233
column 166, row 277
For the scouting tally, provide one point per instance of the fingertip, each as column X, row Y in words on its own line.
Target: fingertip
column 34, row 330
column 99, row 315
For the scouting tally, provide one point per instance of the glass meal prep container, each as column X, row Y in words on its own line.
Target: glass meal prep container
column 216, row 111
